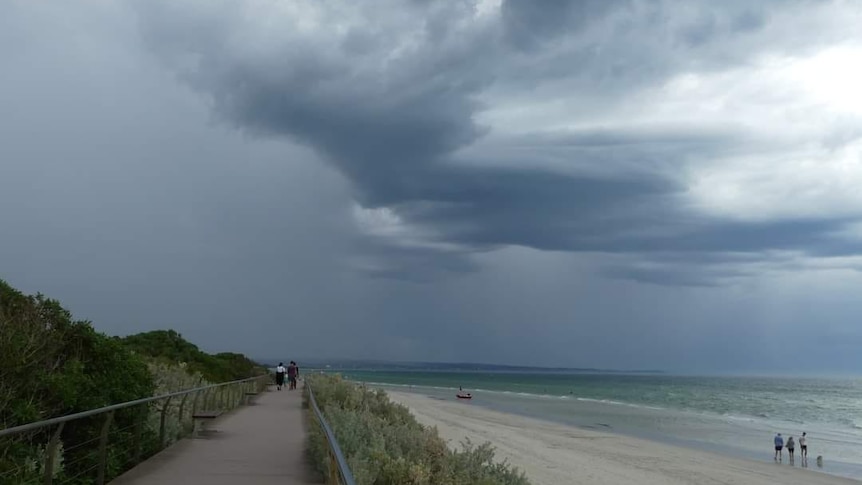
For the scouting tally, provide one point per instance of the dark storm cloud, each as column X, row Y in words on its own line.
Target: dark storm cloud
column 509, row 150
column 530, row 208
column 530, row 24
column 390, row 101
column 375, row 125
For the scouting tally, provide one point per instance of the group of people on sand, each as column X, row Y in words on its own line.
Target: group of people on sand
column 292, row 371
column 791, row 447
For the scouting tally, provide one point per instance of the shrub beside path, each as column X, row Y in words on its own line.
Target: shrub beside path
column 259, row 444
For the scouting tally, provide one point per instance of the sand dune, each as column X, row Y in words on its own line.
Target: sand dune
column 555, row 454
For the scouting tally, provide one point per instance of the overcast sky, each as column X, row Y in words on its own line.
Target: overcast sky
column 619, row 184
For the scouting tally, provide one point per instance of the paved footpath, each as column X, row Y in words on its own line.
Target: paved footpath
column 261, row 444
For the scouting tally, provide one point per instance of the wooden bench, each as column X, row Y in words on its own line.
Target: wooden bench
column 200, row 417
column 249, row 396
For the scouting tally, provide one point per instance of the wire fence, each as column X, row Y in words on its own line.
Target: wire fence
column 95, row 446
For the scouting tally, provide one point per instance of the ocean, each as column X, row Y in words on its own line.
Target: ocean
column 736, row 416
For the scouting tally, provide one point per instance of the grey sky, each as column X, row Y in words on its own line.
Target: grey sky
column 587, row 183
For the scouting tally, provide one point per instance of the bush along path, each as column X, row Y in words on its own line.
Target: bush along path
column 385, row 445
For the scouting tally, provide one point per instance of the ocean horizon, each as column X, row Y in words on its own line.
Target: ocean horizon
column 372, row 365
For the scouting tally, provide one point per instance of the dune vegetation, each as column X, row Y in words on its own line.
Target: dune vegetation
column 53, row 365
column 385, row 445
column 169, row 347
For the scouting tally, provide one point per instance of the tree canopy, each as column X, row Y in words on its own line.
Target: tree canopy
column 52, row 365
column 170, row 347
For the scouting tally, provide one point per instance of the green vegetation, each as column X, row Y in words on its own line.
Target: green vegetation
column 52, row 365
column 385, row 445
column 169, row 346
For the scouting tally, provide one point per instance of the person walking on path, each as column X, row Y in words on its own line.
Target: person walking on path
column 279, row 375
column 779, row 445
column 791, row 446
column 292, row 374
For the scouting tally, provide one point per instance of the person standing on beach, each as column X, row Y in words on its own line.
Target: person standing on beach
column 279, row 375
column 292, row 374
column 791, row 445
column 779, row 445
column 803, row 446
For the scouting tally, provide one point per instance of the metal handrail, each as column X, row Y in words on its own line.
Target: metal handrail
column 230, row 400
column 335, row 450
column 84, row 414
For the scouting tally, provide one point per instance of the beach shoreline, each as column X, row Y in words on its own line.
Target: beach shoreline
column 551, row 453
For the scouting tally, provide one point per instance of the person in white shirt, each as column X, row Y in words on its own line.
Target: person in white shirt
column 279, row 375
column 803, row 446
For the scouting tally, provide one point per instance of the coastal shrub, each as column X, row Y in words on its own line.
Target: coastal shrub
column 476, row 465
column 168, row 346
column 52, row 365
column 385, row 445
column 170, row 378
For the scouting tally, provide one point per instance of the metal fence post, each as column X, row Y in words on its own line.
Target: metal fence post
column 333, row 469
column 51, row 451
column 182, row 408
column 103, row 448
column 195, row 403
column 138, row 432
column 162, row 422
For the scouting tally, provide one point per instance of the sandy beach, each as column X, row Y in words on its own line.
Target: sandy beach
column 556, row 454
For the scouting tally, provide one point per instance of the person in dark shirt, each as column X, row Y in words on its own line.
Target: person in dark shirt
column 779, row 445
column 292, row 374
column 791, row 446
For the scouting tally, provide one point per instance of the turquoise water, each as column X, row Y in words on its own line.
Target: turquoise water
column 731, row 415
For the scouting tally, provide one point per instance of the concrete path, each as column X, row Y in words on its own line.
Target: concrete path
column 260, row 444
